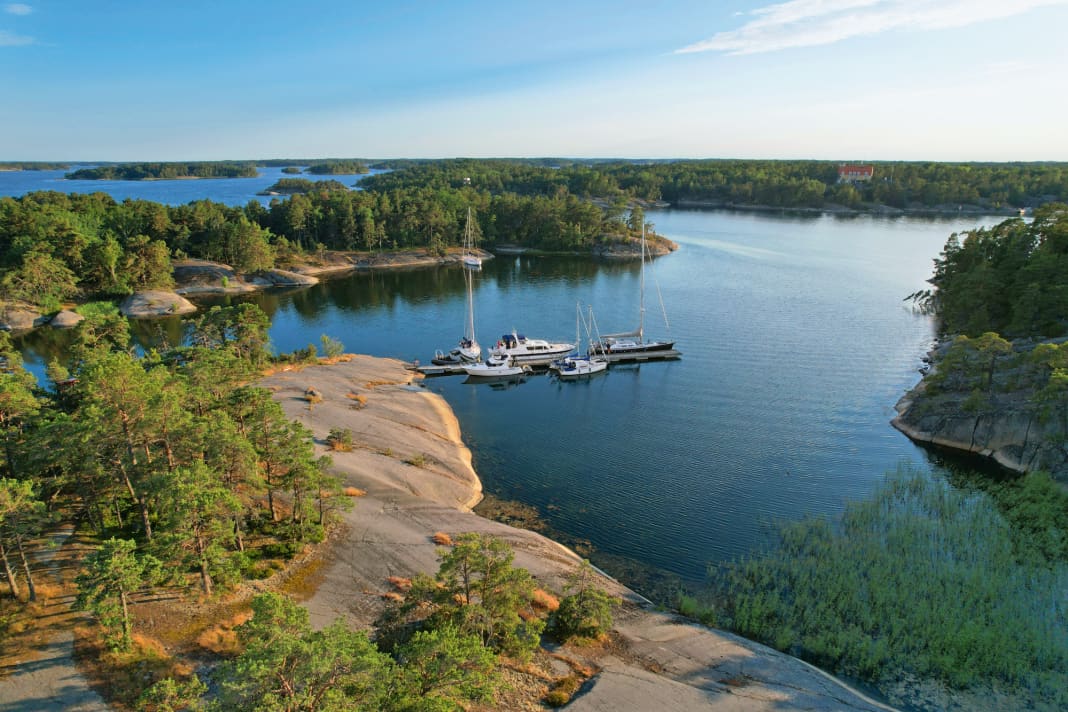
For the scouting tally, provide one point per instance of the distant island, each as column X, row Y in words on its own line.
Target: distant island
column 332, row 168
column 166, row 171
column 32, row 166
column 294, row 186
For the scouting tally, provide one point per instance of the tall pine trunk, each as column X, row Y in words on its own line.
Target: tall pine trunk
column 26, row 569
column 11, row 582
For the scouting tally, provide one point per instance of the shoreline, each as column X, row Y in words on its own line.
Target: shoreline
column 670, row 662
column 876, row 210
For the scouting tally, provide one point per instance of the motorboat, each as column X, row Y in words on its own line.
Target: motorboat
column 530, row 352
column 495, row 367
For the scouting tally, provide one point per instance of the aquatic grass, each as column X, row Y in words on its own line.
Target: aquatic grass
column 921, row 578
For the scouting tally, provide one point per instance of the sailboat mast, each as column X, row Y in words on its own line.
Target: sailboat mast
column 641, row 293
column 470, row 307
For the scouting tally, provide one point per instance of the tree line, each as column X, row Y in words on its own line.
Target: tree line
column 783, row 184
column 1011, row 279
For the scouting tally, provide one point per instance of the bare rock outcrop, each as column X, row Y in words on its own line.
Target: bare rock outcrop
column 66, row 319
column 280, row 278
column 154, row 303
column 20, row 317
column 993, row 411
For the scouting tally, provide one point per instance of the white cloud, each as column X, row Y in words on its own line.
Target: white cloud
column 18, row 8
column 10, row 39
column 809, row 23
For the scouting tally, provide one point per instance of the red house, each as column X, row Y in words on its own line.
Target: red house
column 853, row 172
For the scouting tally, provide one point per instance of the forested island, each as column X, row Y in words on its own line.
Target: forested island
column 293, row 186
column 336, row 167
column 56, row 247
column 32, row 166
column 166, row 171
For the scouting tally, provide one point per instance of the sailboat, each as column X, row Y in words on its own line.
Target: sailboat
column 573, row 366
column 468, row 350
column 469, row 258
column 632, row 343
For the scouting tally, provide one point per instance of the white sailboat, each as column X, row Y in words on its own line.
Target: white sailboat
column 573, row 366
column 468, row 350
column 632, row 343
column 469, row 258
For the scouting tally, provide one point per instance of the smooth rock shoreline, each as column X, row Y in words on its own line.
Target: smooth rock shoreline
column 410, row 459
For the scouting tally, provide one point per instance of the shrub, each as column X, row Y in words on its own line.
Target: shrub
column 586, row 612
column 340, row 439
column 332, row 348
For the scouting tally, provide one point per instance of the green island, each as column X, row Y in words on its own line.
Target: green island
column 167, row 171
column 32, row 166
column 294, row 186
column 336, row 167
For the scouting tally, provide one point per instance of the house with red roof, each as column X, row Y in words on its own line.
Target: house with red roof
column 854, row 172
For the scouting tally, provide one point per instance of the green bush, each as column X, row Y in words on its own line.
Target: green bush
column 340, row 439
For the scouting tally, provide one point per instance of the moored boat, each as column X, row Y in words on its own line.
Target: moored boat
column 632, row 343
column 468, row 350
column 574, row 366
column 530, row 352
column 494, row 367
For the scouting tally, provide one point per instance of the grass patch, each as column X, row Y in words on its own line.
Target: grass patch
column 220, row 638
column 122, row 677
column 921, row 579
column 544, row 601
column 441, row 539
column 400, row 583
column 418, row 460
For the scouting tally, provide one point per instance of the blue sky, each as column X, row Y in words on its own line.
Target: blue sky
column 828, row 79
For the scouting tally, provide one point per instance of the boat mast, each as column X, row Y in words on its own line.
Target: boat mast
column 470, row 327
column 641, row 293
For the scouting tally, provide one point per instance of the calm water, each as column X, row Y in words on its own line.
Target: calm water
column 796, row 346
column 231, row 191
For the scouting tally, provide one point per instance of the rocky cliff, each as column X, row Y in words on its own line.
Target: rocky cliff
column 1002, row 404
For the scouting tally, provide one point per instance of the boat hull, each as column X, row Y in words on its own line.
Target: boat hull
column 571, row 369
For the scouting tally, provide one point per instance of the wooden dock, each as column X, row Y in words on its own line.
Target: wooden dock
column 458, row 370
column 665, row 355
column 452, row 369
